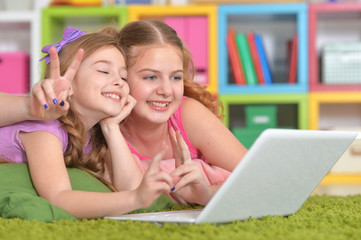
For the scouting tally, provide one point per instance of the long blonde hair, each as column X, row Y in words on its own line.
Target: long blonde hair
column 154, row 32
column 93, row 163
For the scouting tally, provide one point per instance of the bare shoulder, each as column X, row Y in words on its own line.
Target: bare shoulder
column 192, row 108
column 198, row 120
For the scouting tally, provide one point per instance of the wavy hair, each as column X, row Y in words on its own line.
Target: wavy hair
column 74, row 157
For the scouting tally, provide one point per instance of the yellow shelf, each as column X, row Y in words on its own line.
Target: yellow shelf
column 317, row 98
column 139, row 12
column 342, row 179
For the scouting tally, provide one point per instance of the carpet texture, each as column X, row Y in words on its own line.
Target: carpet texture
column 321, row 217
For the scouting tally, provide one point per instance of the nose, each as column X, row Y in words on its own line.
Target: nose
column 118, row 81
column 165, row 87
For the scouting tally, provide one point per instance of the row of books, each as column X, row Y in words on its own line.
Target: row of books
column 249, row 62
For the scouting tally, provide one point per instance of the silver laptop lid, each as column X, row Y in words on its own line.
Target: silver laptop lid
column 277, row 175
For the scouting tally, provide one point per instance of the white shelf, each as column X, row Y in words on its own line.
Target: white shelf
column 17, row 16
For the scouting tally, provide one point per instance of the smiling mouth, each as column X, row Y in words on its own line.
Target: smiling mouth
column 111, row 95
column 158, row 104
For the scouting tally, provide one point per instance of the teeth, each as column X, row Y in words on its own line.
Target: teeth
column 158, row 104
column 112, row 95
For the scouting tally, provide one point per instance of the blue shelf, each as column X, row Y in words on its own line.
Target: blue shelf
column 296, row 12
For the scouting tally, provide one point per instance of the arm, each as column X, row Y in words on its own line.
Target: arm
column 14, row 108
column 208, row 134
column 125, row 173
column 51, row 180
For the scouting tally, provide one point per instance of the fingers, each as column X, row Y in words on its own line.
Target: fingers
column 128, row 107
column 176, row 151
column 186, row 155
column 48, row 88
column 54, row 64
column 39, row 95
column 74, row 66
column 190, row 174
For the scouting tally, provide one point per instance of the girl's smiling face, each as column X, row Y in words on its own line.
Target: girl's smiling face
column 155, row 78
column 99, row 88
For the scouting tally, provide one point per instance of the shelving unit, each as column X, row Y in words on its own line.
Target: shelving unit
column 138, row 12
column 308, row 104
column 56, row 19
column 341, row 101
column 296, row 110
column 22, row 29
column 276, row 23
column 331, row 22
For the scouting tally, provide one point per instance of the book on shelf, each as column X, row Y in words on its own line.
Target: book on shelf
column 235, row 58
column 255, row 57
column 292, row 73
column 263, row 59
column 247, row 63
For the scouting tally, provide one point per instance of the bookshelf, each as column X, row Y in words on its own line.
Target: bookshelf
column 331, row 22
column 276, row 23
column 56, row 19
column 334, row 106
column 161, row 12
column 296, row 112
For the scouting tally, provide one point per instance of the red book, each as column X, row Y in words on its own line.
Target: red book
column 255, row 57
column 235, row 59
column 292, row 74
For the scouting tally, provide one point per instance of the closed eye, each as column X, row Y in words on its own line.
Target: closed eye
column 101, row 71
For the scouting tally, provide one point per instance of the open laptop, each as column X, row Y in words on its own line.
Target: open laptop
column 275, row 177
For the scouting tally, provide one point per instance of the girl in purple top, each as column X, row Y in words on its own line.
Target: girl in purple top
column 97, row 98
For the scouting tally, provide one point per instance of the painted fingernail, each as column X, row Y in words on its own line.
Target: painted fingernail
column 55, row 101
column 62, row 103
column 46, row 106
column 172, row 190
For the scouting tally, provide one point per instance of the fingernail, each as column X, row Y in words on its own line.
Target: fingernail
column 46, row 106
column 172, row 190
column 62, row 103
column 55, row 101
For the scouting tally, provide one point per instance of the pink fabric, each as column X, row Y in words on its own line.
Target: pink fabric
column 213, row 174
column 11, row 147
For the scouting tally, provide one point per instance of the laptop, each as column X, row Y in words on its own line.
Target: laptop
column 275, row 177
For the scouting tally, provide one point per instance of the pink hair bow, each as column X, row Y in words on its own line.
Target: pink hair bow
column 70, row 34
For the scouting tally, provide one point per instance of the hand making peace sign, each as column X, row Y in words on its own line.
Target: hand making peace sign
column 48, row 97
column 191, row 185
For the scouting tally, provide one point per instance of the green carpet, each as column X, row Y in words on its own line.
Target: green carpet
column 321, row 217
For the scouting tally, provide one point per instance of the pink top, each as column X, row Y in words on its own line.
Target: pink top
column 213, row 174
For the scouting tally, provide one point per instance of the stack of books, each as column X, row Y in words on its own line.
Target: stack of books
column 249, row 62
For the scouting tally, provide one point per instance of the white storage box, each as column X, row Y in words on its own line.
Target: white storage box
column 341, row 63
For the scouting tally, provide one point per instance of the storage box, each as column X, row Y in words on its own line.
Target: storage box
column 14, row 72
column 262, row 116
column 246, row 136
column 341, row 63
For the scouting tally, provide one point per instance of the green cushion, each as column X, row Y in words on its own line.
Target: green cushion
column 19, row 199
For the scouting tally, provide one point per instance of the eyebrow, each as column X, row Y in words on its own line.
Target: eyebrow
column 107, row 62
column 156, row 71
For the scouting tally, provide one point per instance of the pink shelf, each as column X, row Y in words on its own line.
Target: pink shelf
column 315, row 9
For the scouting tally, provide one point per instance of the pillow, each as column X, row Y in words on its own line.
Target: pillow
column 18, row 197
